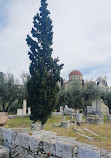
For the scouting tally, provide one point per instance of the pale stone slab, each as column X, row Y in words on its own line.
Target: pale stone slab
column 29, row 110
column 7, row 136
column 19, row 111
column 24, row 107
column 88, row 153
column 89, row 109
column 61, row 110
column 64, row 150
column 49, row 146
column 79, row 117
column 89, row 138
column 91, row 132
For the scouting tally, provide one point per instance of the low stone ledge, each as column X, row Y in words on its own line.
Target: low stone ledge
column 44, row 143
column 64, row 150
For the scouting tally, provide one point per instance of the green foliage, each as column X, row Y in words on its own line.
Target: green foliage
column 78, row 96
column 13, row 108
column 106, row 96
column 74, row 94
column 89, row 93
column 10, row 93
column 62, row 99
column 18, row 122
column 23, row 88
column 45, row 72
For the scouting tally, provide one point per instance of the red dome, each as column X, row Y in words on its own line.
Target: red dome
column 75, row 72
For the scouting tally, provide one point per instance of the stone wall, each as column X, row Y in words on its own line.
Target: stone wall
column 44, row 144
column 99, row 106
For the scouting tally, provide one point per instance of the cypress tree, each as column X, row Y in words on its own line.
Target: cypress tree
column 44, row 70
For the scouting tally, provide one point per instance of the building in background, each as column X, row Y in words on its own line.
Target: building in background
column 75, row 75
column 98, row 105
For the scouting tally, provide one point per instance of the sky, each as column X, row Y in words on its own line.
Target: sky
column 82, row 35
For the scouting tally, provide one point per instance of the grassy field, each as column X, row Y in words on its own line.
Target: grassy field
column 101, row 141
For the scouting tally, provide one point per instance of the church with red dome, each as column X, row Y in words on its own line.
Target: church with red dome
column 75, row 75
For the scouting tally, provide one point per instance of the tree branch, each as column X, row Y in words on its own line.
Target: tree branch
column 9, row 106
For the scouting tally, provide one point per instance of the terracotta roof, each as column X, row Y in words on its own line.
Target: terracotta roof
column 90, row 82
column 75, row 72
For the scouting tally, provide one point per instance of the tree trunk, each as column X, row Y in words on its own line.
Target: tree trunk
column 4, row 106
column 85, row 109
column 8, row 106
column 109, row 110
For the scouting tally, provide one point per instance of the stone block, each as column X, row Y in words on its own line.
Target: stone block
column 33, row 144
column 89, row 109
column 92, row 120
column 64, row 149
column 29, row 110
column 24, row 107
column 65, row 124
column 7, row 137
column 3, row 118
column 19, row 112
column 61, row 110
column 84, row 152
column 4, row 152
column 79, row 117
column 49, row 147
column 25, row 141
column 45, row 135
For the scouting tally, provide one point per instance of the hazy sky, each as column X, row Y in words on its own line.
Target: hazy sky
column 82, row 35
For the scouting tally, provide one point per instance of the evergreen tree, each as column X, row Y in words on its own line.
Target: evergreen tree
column 45, row 72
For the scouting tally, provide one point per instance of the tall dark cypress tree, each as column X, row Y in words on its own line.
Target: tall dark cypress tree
column 44, row 70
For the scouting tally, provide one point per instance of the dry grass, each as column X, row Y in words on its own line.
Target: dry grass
column 18, row 122
column 101, row 141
